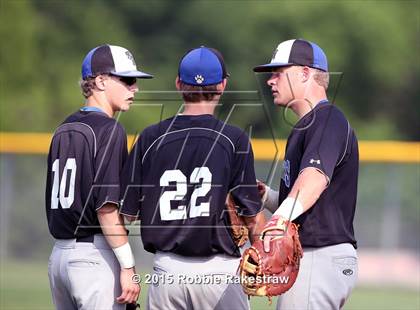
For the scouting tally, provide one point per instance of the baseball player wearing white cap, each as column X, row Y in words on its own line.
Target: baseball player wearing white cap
column 91, row 265
column 318, row 187
column 178, row 176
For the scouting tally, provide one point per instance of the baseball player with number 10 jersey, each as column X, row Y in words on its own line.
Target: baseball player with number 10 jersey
column 91, row 264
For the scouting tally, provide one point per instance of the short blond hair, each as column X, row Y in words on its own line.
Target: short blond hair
column 322, row 78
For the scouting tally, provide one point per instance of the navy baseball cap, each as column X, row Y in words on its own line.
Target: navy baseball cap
column 202, row 66
column 111, row 59
column 296, row 52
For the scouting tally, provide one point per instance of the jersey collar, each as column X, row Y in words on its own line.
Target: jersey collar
column 91, row 109
column 324, row 101
column 310, row 114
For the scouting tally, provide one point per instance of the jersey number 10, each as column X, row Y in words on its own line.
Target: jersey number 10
column 176, row 176
column 58, row 191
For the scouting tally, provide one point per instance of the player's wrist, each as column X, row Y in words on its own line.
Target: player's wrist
column 125, row 256
column 270, row 199
column 131, row 269
column 265, row 195
column 290, row 209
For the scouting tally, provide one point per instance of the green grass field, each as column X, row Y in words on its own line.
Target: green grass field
column 25, row 286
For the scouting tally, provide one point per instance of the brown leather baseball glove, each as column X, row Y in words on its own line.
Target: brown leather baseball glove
column 272, row 273
column 237, row 224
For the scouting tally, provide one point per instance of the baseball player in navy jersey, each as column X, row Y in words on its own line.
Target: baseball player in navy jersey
column 318, row 187
column 91, row 265
column 177, row 178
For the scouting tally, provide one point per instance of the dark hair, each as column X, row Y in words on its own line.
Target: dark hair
column 191, row 93
column 87, row 86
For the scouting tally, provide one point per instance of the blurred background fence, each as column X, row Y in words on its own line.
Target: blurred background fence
column 387, row 219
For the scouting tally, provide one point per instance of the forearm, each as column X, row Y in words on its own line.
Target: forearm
column 113, row 228
column 308, row 187
column 112, row 225
column 305, row 192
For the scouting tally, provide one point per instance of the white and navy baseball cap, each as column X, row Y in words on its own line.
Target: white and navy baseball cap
column 202, row 66
column 296, row 52
column 111, row 59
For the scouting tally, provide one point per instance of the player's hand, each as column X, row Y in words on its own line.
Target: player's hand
column 130, row 289
column 269, row 236
column 262, row 190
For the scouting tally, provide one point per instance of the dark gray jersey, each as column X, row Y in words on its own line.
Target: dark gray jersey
column 86, row 155
column 323, row 139
column 177, row 177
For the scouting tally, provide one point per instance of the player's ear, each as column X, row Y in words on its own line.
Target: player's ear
column 221, row 86
column 100, row 82
column 305, row 74
column 177, row 83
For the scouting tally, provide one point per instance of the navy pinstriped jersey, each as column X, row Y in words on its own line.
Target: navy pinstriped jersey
column 323, row 139
column 177, row 178
column 86, row 156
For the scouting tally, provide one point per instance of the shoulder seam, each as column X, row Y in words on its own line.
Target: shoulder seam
column 185, row 129
column 91, row 129
column 347, row 143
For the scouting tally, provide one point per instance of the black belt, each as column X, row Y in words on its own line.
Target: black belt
column 85, row 239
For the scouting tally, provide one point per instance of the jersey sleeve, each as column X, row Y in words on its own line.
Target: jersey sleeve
column 131, row 182
column 243, row 185
column 109, row 160
column 325, row 142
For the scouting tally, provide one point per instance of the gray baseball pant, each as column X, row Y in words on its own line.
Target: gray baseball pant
column 185, row 295
column 326, row 278
column 84, row 275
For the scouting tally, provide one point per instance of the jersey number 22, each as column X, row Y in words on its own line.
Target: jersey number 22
column 202, row 209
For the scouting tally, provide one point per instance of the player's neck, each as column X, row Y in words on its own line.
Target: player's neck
column 199, row 108
column 94, row 101
column 304, row 106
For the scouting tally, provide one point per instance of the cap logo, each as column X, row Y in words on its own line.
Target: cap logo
column 129, row 56
column 199, row 79
column 315, row 161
